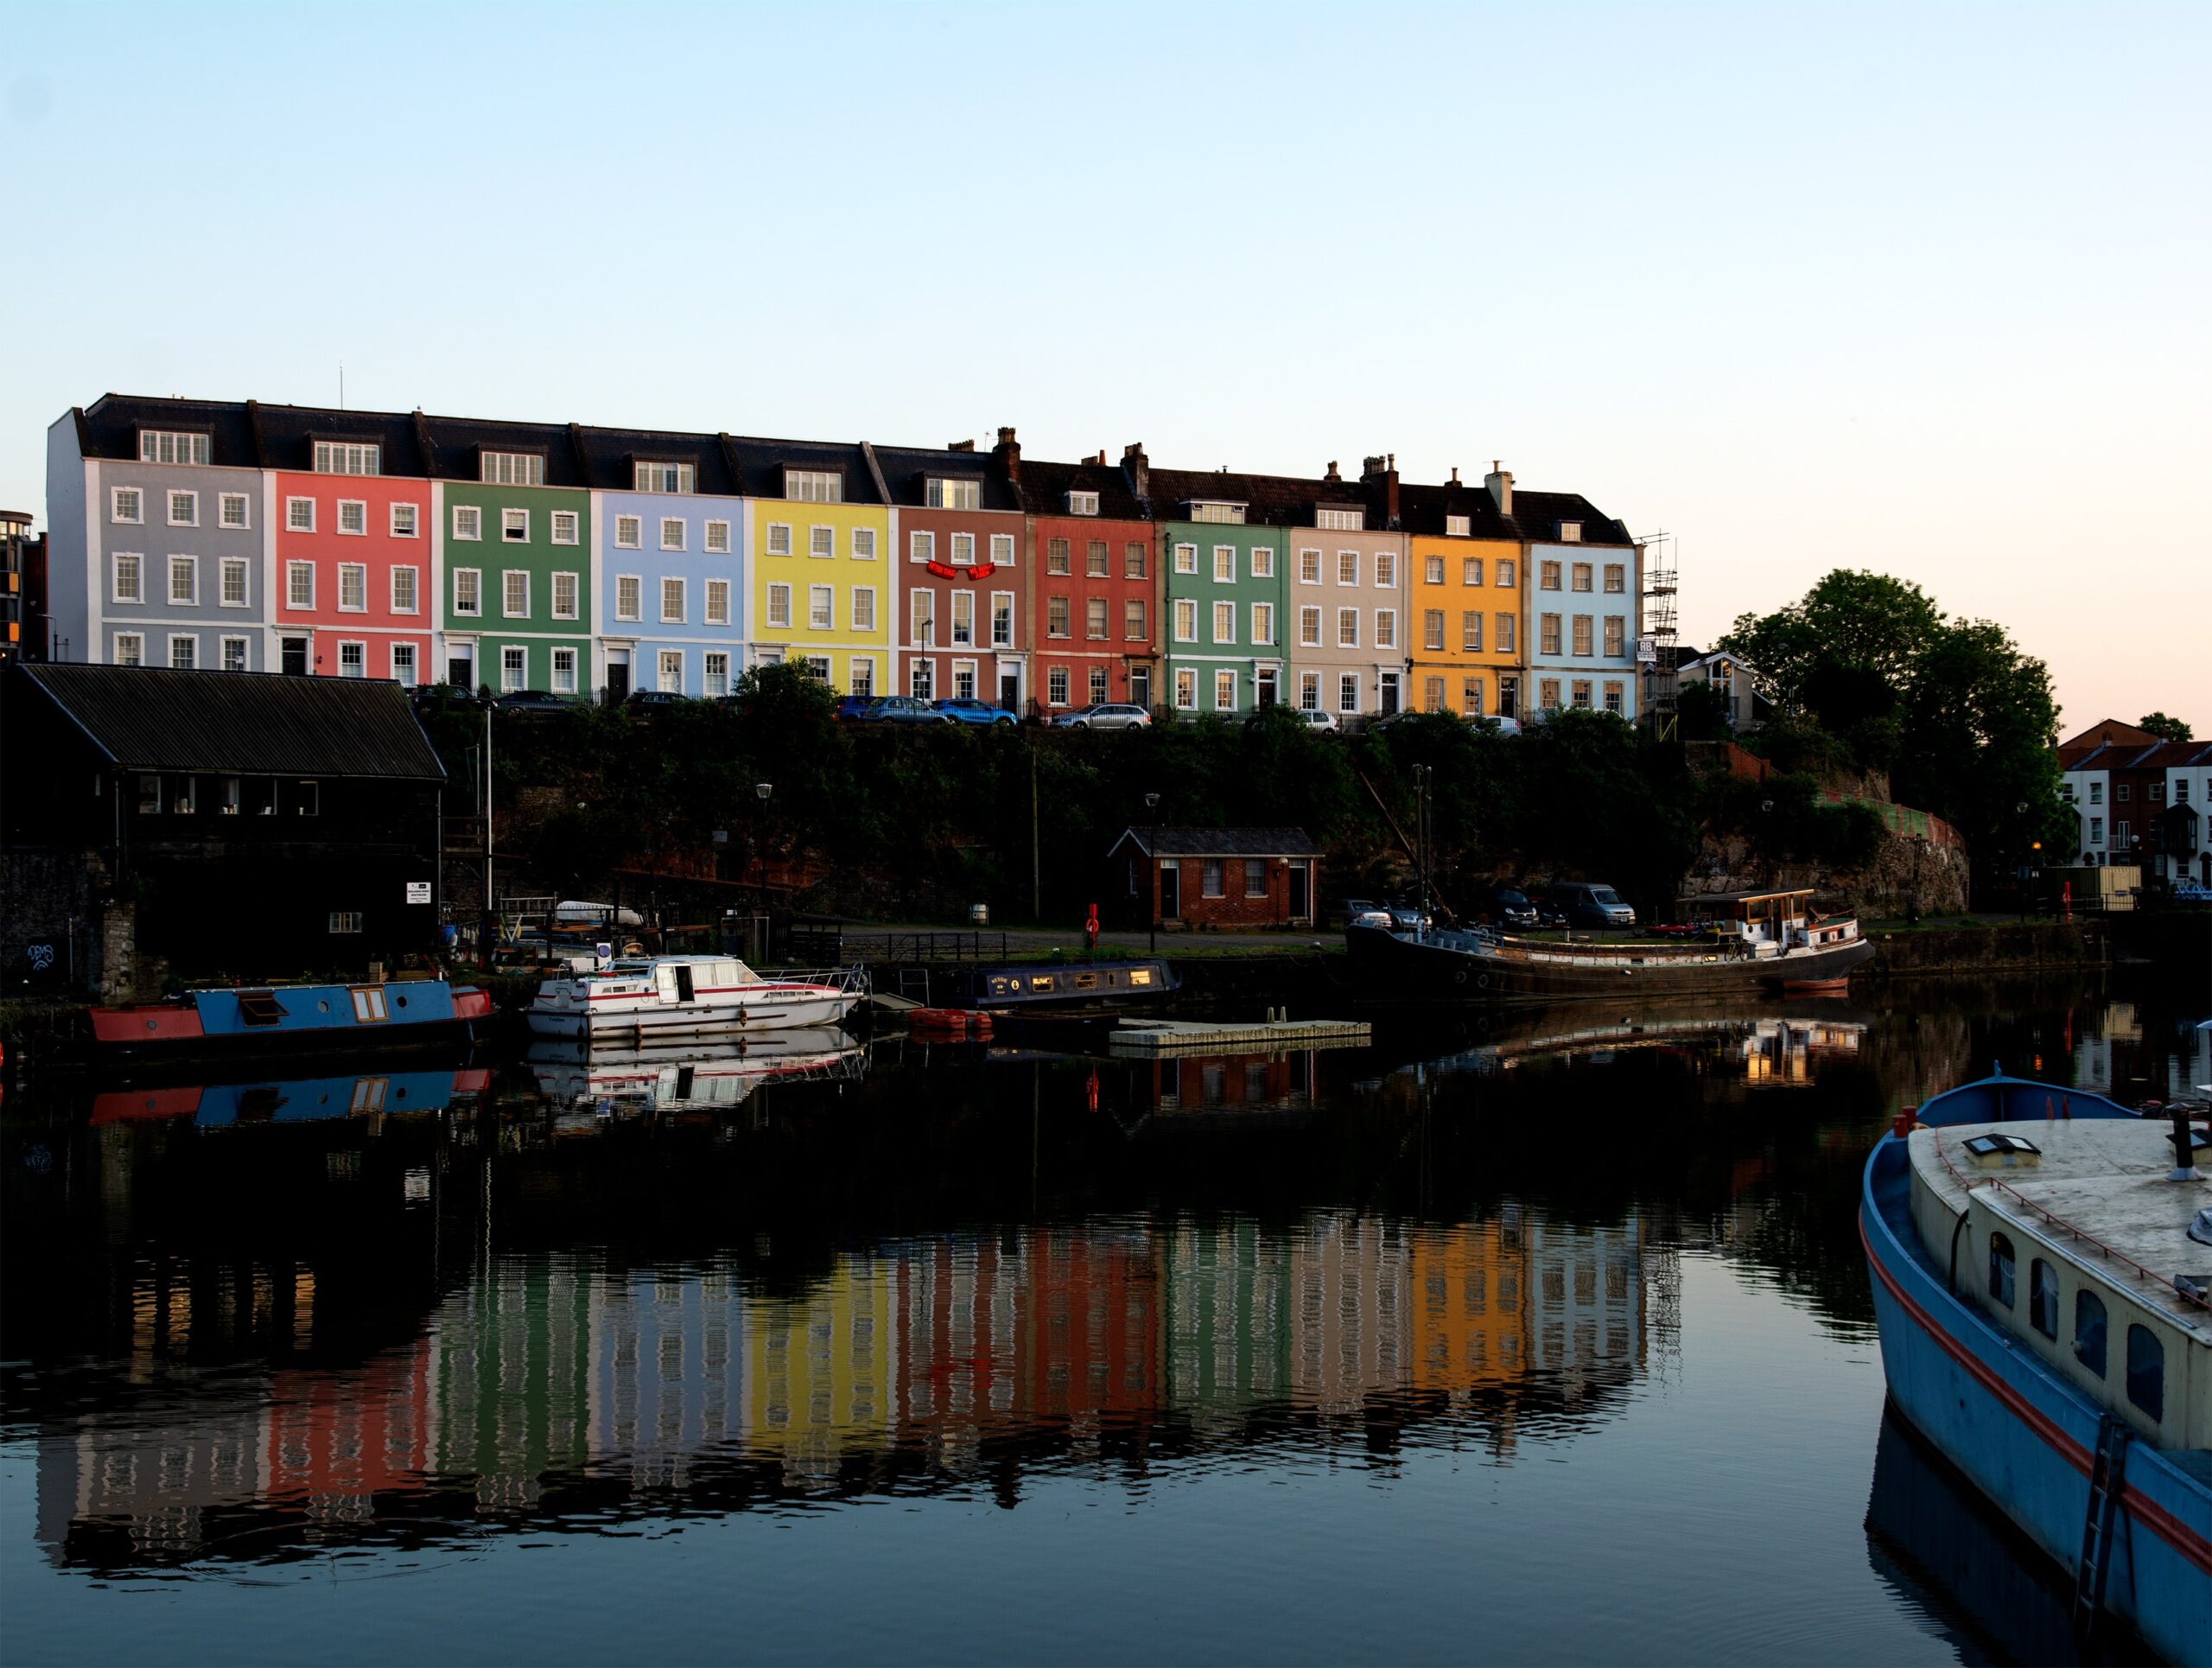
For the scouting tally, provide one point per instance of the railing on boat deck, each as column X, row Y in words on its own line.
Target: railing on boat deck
column 853, row 981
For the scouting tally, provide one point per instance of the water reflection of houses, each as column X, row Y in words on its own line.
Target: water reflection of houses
column 933, row 1357
column 2119, row 1050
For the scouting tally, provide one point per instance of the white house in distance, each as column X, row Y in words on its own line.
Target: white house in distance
column 1735, row 678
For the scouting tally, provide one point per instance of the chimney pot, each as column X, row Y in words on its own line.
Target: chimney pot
column 960, row 446
column 1500, row 482
column 1333, row 475
column 1455, row 475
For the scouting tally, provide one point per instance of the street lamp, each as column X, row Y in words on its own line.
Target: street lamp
column 760, row 846
column 1152, row 933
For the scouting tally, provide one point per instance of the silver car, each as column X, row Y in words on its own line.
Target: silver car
column 1110, row 715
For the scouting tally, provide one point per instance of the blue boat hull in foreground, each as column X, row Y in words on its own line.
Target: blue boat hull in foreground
column 2024, row 1438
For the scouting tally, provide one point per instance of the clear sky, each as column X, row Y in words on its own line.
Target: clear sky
column 1925, row 290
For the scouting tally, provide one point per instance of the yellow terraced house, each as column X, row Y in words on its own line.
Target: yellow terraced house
column 825, row 590
column 1464, row 595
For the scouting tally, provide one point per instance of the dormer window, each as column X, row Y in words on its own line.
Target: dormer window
column 511, row 468
column 1215, row 510
column 1570, row 532
column 344, row 457
column 663, row 477
column 171, row 446
column 947, row 493
column 814, row 485
column 1459, row 526
column 1335, row 518
column 1083, row 503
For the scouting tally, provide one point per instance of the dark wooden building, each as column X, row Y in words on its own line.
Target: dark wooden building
column 200, row 823
column 1218, row 877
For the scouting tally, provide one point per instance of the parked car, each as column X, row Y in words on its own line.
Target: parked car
column 899, row 709
column 1591, row 904
column 849, row 706
column 1502, row 726
column 1548, row 913
column 967, row 709
column 1312, row 717
column 442, row 697
column 1404, row 916
column 536, row 700
column 1507, row 906
column 1110, row 715
column 648, row 699
column 1392, row 720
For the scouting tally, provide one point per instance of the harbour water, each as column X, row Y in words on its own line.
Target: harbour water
column 1547, row 1340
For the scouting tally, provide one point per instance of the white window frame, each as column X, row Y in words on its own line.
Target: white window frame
column 631, row 586
column 223, row 647
column 1309, row 692
column 138, row 594
column 667, row 523
column 778, row 608
column 1224, row 611
column 475, row 576
column 409, row 513
column 340, row 457
column 778, row 542
column 1002, row 610
column 358, row 572
column 115, row 497
column 963, row 550
column 508, row 576
column 1264, row 562
column 510, row 468
column 821, row 542
column 412, row 675
column 717, row 539
column 244, row 568
column 1459, row 526
column 1002, row 549
column 671, row 480
column 629, row 532
column 864, row 544
column 1224, row 689
column 681, row 593
column 1348, row 691
column 962, row 619
column 860, row 675
column 1083, row 503
column 1186, row 558
column 175, row 638
column 293, row 570
column 1225, row 565
column 575, row 587
column 183, row 445
column 1309, row 626
column 715, row 601
column 359, row 649
column 822, row 607
column 514, row 518
column 815, row 486
column 714, row 672
column 468, row 523
column 191, row 517
column 1187, row 688
column 1309, row 566
column 1186, row 620
column 1347, row 628
column 245, row 502
column 518, row 677
column 921, row 546
column 1058, row 686
column 951, row 492
column 1386, row 570
column 293, row 522
column 858, row 593
column 413, row 604
column 181, row 564
column 1386, row 628
column 564, row 526
column 137, row 642
column 664, row 662
column 1263, row 625
column 360, row 509
column 1347, row 567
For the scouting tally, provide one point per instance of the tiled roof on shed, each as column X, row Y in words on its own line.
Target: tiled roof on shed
column 247, row 723
column 1220, row 842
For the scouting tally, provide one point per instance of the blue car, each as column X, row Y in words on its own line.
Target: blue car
column 899, row 709
column 967, row 709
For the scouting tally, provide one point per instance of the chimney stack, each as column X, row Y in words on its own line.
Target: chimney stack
column 1455, row 475
column 1101, row 459
column 1008, row 453
column 1500, row 482
column 1333, row 477
column 959, row 445
column 1138, row 467
column 1382, row 472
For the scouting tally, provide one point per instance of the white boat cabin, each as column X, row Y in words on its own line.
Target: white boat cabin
column 1771, row 922
column 2072, row 1238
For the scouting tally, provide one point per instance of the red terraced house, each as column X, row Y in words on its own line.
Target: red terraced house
column 958, row 527
column 1095, row 581
column 350, row 503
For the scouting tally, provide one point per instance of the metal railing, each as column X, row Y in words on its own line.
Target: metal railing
column 952, row 946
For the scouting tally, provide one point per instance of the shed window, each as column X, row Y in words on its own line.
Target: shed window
column 2146, row 1371
column 2089, row 1331
column 2000, row 1269
column 2043, row 1298
column 1210, row 885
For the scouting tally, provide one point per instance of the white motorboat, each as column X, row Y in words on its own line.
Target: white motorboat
column 691, row 996
column 688, row 1077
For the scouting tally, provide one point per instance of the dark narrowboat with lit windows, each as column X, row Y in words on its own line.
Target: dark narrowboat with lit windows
column 1070, row 991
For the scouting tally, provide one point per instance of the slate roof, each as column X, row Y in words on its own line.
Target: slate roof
column 2108, row 729
column 1219, row 841
column 906, row 470
column 609, row 453
column 1534, row 519
column 1045, row 488
column 1268, row 500
column 762, row 462
column 109, row 427
column 246, row 722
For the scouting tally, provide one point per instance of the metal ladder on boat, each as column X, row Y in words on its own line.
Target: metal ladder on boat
column 2108, row 1483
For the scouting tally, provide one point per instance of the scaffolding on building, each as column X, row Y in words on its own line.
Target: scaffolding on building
column 1657, row 638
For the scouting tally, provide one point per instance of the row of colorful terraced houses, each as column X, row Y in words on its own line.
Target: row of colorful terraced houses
column 581, row 560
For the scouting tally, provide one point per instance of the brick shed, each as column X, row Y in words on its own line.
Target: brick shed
column 1218, row 877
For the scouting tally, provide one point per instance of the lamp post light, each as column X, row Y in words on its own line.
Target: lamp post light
column 1151, row 933
column 762, row 790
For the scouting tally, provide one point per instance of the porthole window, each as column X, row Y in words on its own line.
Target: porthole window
column 2146, row 1371
column 2043, row 1298
column 2000, row 1269
column 2089, row 1331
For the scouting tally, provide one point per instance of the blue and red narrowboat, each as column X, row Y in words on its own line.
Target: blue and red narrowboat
column 290, row 1018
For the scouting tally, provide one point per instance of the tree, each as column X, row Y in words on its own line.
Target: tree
column 1979, row 743
column 2167, row 729
column 1867, row 622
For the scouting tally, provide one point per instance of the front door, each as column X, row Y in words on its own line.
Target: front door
column 1298, row 908
column 1010, row 691
column 1390, row 693
column 1141, row 686
column 1266, row 681
column 294, row 650
column 1171, row 891
column 618, row 675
